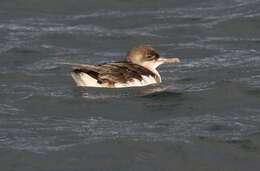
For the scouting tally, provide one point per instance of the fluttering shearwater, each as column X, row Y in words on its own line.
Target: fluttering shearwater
column 138, row 70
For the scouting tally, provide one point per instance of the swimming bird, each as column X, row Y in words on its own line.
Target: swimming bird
column 140, row 69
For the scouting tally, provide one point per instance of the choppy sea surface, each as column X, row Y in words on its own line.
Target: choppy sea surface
column 204, row 116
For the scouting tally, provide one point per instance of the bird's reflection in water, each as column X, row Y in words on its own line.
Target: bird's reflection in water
column 104, row 93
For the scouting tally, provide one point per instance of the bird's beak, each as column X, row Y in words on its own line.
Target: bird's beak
column 169, row 60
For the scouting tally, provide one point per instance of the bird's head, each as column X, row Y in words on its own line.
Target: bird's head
column 146, row 56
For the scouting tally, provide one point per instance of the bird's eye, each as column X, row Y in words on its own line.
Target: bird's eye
column 150, row 57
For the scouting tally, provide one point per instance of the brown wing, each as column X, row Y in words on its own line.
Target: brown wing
column 118, row 72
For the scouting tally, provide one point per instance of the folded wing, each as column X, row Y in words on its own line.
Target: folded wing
column 118, row 74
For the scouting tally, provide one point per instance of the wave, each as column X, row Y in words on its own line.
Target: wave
column 253, row 81
column 8, row 110
column 185, row 12
column 93, row 130
column 226, row 60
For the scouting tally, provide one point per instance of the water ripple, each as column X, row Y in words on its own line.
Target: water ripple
column 55, row 133
column 8, row 109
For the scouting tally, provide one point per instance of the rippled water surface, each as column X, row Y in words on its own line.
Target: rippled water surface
column 204, row 116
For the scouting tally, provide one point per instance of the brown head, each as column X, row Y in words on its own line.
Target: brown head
column 146, row 56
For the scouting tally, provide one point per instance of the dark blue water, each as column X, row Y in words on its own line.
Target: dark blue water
column 204, row 116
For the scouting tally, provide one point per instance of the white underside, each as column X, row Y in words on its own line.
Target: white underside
column 84, row 80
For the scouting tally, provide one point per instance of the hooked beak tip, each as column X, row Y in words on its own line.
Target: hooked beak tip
column 177, row 60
